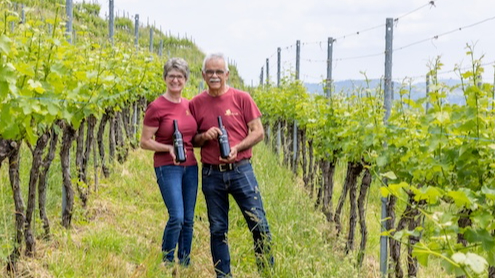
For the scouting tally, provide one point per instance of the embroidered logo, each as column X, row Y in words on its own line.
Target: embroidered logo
column 230, row 113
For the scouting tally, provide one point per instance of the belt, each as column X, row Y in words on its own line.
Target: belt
column 227, row 166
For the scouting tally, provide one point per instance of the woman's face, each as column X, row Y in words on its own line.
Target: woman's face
column 175, row 81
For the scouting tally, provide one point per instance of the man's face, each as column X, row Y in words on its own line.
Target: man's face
column 215, row 74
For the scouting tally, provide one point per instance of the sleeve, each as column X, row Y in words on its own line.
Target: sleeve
column 151, row 117
column 251, row 110
column 192, row 109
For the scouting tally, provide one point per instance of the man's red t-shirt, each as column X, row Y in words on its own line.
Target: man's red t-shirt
column 161, row 113
column 237, row 109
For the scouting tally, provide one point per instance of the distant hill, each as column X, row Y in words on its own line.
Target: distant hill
column 418, row 89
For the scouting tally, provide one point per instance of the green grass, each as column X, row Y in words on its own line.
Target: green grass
column 119, row 234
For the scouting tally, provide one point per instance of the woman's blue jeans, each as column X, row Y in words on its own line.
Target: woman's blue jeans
column 242, row 185
column 179, row 188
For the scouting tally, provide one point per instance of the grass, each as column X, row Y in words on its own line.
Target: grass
column 119, row 234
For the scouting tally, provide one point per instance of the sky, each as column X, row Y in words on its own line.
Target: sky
column 249, row 32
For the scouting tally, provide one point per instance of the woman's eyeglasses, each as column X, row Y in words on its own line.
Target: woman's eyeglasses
column 172, row 77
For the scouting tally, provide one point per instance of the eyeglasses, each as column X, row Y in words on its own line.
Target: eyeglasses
column 172, row 77
column 212, row 72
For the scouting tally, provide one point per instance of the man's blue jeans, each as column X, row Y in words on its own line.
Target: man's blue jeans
column 179, row 188
column 242, row 185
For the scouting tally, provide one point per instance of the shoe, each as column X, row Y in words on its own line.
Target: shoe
column 168, row 264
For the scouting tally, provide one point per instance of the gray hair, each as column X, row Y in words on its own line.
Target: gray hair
column 176, row 64
column 214, row 56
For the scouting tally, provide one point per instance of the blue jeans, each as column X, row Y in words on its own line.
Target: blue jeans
column 242, row 185
column 179, row 188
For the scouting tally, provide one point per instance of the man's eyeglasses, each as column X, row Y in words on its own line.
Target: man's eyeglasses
column 212, row 72
column 172, row 77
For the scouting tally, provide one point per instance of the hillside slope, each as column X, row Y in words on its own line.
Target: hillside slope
column 119, row 234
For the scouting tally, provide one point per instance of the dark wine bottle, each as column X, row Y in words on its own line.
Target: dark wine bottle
column 180, row 155
column 223, row 140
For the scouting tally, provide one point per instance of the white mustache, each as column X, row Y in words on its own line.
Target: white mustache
column 214, row 80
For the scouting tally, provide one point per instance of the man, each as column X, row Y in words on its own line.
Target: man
column 234, row 174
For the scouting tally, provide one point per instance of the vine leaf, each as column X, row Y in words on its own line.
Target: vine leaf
column 421, row 252
column 389, row 175
column 477, row 263
column 489, row 193
column 460, row 198
column 5, row 44
column 482, row 236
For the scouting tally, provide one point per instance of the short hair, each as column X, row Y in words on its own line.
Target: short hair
column 213, row 56
column 176, row 64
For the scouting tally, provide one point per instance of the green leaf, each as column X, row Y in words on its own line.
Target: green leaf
column 395, row 188
column 459, row 258
column 4, row 89
column 59, row 69
column 482, row 236
column 382, row 161
column 66, row 115
column 482, row 218
column 477, row 263
column 30, row 132
column 431, row 194
column 11, row 132
column 384, row 191
column 26, row 107
column 398, row 235
column 491, row 257
column 52, row 108
column 37, row 108
column 11, row 18
column 25, row 69
column 454, row 268
column 489, row 192
column 421, row 253
column 5, row 44
column 460, row 198
column 442, row 117
column 36, row 86
column 389, row 175
column 7, row 73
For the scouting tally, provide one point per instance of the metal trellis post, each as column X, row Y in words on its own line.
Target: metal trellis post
column 136, row 30
column 278, row 66
column 151, row 39
column 387, row 105
column 294, row 137
column 267, row 71
column 328, row 88
column 111, row 20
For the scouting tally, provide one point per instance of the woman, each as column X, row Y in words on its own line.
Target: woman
column 178, row 182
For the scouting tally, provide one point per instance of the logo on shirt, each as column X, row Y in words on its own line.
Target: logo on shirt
column 230, row 113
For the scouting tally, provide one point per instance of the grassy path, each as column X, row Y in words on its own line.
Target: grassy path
column 119, row 235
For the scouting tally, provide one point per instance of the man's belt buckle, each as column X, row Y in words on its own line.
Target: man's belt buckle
column 225, row 167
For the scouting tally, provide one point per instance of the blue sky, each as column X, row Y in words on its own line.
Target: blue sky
column 249, row 32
